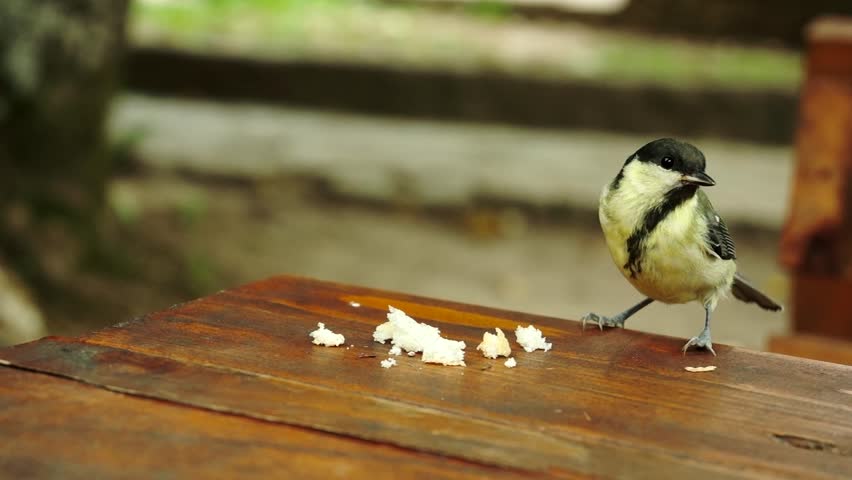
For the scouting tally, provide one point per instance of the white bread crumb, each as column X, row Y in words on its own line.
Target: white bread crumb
column 530, row 339
column 412, row 336
column 494, row 346
column 354, row 304
column 395, row 350
column 324, row 336
column 388, row 363
column 445, row 352
column 709, row 368
column 510, row 363
column 383, row 332
column 411, row 354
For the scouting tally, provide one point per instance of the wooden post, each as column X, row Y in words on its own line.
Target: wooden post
column 817, row 240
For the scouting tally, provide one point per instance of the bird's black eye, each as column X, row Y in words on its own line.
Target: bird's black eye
column 667, row 163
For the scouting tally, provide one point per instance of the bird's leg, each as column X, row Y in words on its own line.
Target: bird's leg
column 703, row 338
column 615, row 320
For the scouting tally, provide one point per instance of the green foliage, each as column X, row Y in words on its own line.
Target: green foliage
column 192, row 208
column 471, row 38
column 202, row 274
column 192, row 15
column 681, row 63
column 495, row 9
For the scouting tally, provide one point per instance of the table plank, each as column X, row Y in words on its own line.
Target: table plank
column 67, row 430
column 607, row 404
column 291, row 402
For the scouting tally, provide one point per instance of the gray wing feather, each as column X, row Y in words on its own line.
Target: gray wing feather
column 720, row 244
column 718, row 238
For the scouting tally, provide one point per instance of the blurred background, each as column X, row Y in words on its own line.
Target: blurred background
column 154, row 151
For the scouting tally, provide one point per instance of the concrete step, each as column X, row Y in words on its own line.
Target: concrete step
column 429, row 163
column 638, row 103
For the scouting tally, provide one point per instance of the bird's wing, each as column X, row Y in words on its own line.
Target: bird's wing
column 717, row 239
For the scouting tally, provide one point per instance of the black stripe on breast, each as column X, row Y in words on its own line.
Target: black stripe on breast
column 636, row 243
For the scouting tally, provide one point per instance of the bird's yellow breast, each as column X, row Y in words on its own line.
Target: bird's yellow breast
column 676, row 265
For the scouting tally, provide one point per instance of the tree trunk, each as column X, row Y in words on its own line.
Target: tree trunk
column 58, row 70
column 59, row 62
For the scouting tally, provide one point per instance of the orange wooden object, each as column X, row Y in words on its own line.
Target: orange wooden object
column 817, row 241
column 230, row 386
column 818, row 347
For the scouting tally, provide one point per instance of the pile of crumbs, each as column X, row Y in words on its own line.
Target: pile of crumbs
column 408, row 335
column 530, row 339
column 412, row 336
column 324, row 336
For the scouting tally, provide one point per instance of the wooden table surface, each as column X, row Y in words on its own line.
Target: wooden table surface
column 230, row 386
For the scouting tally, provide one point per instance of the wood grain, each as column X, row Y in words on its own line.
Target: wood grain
column 65, row 430
column 610, row 404
column 286, row 401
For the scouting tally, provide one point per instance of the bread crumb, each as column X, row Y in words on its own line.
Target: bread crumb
column 708, row 368
column 383, row 332
column 324, row 336
column 354, row 304
column 395, row 350
column 494, row 346
column 444, row 351
column 530, row 339
column 388, row 363
column 411, row 354
column 511, row 363
column 412, row 336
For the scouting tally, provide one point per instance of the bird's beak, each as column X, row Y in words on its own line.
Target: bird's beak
column 699, row 178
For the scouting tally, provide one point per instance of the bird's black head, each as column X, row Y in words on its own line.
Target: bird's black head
column 676, row 156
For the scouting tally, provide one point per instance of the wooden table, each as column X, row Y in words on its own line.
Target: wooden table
column 230, row 386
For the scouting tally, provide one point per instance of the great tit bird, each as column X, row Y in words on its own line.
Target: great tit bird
column 667, row 239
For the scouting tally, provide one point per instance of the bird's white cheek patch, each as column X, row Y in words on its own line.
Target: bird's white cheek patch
column 650, row 180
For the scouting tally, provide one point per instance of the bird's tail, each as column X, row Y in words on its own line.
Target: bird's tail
column 746, row 292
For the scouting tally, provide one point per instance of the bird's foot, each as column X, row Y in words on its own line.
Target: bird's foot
column 701, row 341
column 602, row 321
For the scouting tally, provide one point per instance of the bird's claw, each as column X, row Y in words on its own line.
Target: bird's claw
column 592, row 318
column 602, row 321
column 701, row 341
